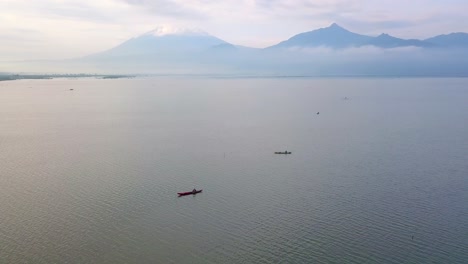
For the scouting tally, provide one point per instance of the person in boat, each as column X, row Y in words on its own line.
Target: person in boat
column 194, row 190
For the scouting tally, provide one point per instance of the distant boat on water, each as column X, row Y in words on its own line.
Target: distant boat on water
column 285, row 152
column 194, row 191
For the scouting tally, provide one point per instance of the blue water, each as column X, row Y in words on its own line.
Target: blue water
column 91, row 175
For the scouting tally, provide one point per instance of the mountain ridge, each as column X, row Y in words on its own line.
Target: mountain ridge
column 333, row 36
column 337, row 37
column 332, row 50
column 168, row 39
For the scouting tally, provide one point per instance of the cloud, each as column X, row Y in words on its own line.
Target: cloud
column 78, row 11
column 167, row 8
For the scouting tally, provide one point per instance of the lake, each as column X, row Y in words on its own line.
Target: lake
column 378, row 171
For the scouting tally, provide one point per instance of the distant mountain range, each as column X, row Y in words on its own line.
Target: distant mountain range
column 187, row 41
column 333, row 50
column 337, row 37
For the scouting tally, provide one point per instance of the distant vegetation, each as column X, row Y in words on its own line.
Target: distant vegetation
column 11, row 77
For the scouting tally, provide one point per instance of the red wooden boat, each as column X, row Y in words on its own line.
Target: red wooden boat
column 189, row 193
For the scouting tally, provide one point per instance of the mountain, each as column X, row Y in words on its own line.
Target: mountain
column 185, row 44
column 333, row 36
column 164, row 40
column 337, row 37
column 386, row 41
column 170, row 50
column 453, row 40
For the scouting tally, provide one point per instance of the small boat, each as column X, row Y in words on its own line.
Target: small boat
column 286, row 152
column 189, row 193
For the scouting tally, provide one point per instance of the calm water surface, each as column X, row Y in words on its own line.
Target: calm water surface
column 91, row 175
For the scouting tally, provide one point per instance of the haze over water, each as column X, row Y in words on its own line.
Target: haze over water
column 91, row 175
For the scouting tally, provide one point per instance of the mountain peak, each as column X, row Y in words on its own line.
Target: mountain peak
column 164, row 30
column 384, row 35
column 335, row 26
column 333, row 36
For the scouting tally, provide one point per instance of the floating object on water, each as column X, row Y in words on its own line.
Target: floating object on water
column 318, row 113
column 194, row 191
column 71, row 89
column 285, row 152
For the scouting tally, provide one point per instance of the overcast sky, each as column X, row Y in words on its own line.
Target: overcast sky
column 54, row 29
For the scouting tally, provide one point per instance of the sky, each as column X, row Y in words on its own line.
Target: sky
column 60, row 29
